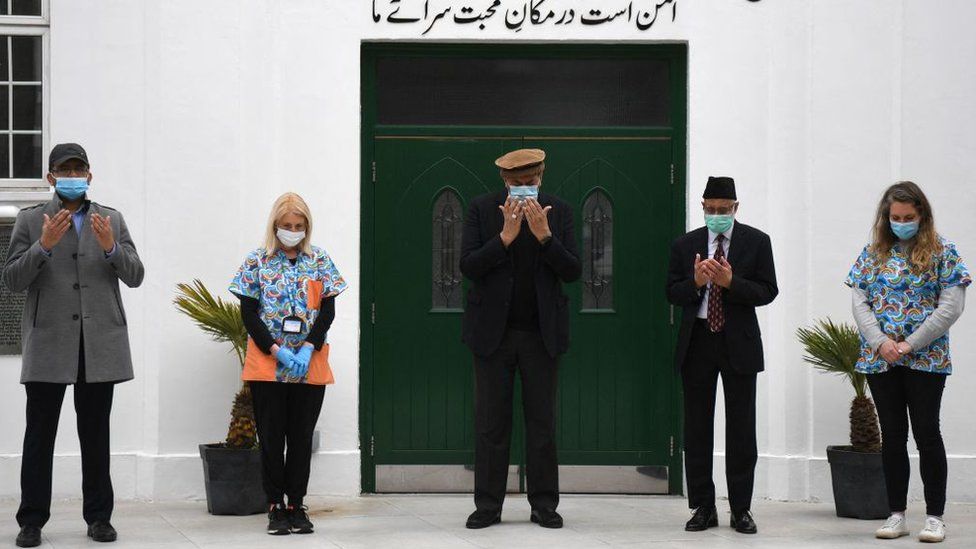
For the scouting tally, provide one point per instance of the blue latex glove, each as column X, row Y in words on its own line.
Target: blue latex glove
column 285, row 357
column 299, row 364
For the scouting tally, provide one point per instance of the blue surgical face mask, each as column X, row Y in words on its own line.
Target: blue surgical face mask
column 904, row 231
column 524, row 192
column 71, row 188
column 719, row 223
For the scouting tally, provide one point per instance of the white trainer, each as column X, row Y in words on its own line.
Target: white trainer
column 893, row 528
column 934, row 530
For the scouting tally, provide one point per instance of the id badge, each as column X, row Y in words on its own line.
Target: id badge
column 292, row 325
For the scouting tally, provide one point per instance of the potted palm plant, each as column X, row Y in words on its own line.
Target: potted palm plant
column 856, row 472
column 231, row 469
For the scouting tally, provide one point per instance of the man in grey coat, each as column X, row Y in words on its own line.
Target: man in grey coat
column 69, row 255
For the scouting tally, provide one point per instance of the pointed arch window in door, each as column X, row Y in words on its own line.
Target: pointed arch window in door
column 597, row 251
column 446, row 267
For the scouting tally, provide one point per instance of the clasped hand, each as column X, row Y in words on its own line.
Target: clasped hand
column 296, row 363
column 893, row 351
column 716, row 271
column 514, row 211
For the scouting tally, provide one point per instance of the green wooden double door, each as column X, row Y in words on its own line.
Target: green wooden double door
column 618, row 408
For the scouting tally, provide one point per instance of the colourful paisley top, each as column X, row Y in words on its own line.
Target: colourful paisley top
column 902, row 300
column 284, row 290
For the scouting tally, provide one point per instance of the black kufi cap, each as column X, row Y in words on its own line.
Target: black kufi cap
column 720, row 187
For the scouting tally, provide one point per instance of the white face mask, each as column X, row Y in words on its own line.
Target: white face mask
column 289, row 238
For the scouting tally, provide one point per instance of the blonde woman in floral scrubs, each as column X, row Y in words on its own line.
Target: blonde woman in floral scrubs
column 287, row 290
column 909, row 287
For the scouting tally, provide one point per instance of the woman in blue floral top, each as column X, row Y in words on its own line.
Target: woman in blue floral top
column 908, row 288
column 287, row 290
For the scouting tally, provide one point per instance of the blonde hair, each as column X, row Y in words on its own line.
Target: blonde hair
column 925, row 248
column 288, row 203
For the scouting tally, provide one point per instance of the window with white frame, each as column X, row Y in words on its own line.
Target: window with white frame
column 24, row 26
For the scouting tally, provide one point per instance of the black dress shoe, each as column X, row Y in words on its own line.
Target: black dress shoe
column 743, row 523
column 29, row 536
column 483, row 519
column 703, row 519
column 102, row 531
column 547, row 518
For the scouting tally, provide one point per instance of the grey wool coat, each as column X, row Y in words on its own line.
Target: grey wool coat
column 74, row 289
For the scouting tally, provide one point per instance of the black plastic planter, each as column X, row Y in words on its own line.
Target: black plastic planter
column 859, row 487
column 233, row 480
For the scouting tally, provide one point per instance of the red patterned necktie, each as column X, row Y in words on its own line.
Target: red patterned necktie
column 716, row 316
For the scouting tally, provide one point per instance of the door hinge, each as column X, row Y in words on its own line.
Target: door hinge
column 672, row 315
column 374, row 171
column 372, row 446
column 671, row 450
column 672, row 173
column 373, row 313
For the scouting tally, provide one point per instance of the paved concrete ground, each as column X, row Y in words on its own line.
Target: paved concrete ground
column 438, row 522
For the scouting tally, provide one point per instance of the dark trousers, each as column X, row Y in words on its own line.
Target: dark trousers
column 93, row 406
column 286, row 413
column 707, row 359
column 900, row 394
column 494, row 376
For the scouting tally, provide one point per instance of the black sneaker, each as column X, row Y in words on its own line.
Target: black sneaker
column 298, row 519
column 278, row 520
column 102, row 531
column 29, row 536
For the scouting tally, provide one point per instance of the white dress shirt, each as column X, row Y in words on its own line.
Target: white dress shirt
column 712, row 246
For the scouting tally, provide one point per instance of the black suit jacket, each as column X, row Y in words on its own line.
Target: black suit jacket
column 488, row 264
column 753, row 285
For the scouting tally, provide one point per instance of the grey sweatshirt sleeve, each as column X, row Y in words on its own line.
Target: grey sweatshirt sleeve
column 867, row 323
column 952, row 301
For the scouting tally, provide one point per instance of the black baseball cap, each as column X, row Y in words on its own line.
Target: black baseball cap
column 66, row 151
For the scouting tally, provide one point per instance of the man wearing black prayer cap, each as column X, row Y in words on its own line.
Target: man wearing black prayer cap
column 719, row 274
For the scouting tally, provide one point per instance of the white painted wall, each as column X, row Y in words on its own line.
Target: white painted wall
column 197, row 116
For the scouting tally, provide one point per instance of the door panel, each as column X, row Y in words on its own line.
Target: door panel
column 615, row 407
column 615, row 381
column 423, row 405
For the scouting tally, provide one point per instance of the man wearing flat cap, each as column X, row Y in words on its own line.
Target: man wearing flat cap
column 518, row 248
column 719, row 274
column 69, row 255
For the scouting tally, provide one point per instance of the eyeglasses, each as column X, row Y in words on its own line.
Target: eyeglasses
column 719, row 211
column 68, row 172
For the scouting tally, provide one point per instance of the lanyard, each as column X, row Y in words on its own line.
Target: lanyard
column 291, row 285
column 287, row 268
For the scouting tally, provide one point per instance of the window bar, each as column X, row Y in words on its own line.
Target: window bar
column 447, row 219
column 10, row 101
column 596, row 254
column 447, row 279
column 446, row 249
column 597, row 218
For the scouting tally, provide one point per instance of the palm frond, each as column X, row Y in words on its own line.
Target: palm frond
column 834, row 349
column 219, row 319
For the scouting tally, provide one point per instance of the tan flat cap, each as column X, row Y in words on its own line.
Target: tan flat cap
column 521, row 159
